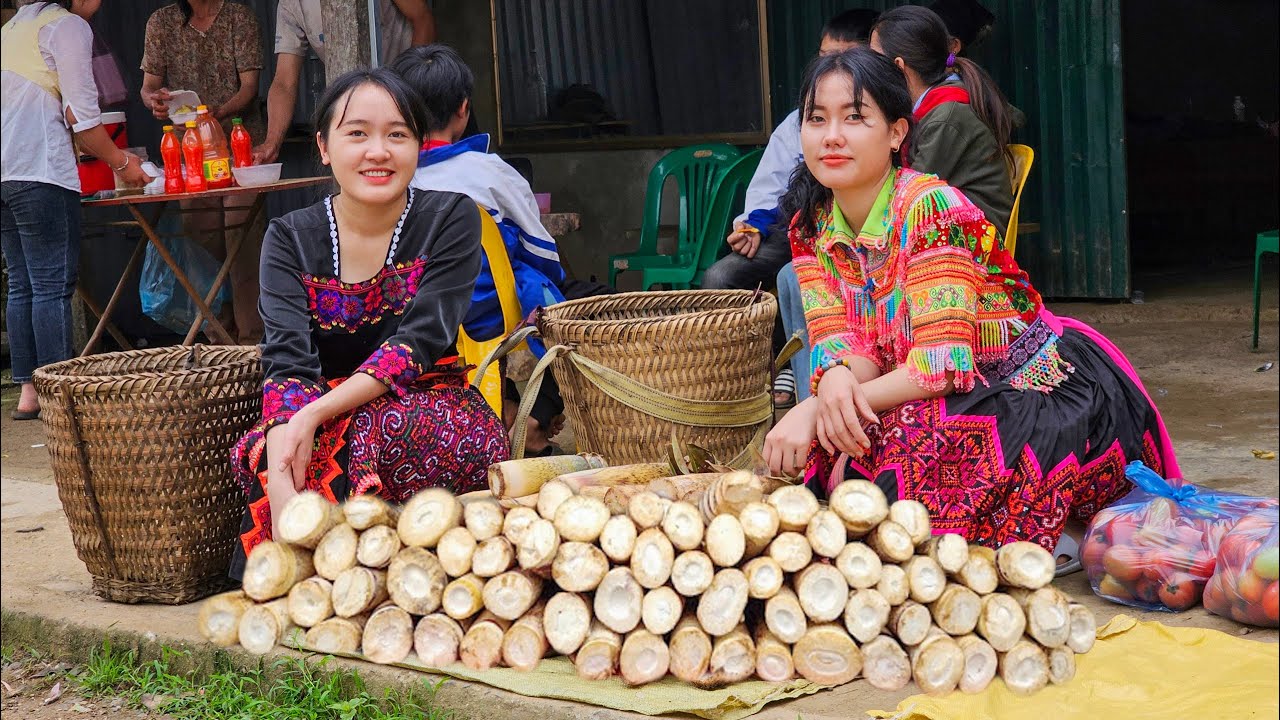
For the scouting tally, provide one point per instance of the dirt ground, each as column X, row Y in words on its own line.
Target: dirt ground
column 37, row 689
column 1189, row 341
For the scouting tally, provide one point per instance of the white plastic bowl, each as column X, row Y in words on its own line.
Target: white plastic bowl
column 257, row 174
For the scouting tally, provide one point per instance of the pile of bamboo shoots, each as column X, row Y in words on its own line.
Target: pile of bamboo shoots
column 713, row 578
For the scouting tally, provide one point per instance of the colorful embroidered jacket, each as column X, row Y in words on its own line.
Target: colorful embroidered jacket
column 400, row 326
column 924, row 284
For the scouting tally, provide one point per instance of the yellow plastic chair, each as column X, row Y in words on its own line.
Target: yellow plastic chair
column 1023, row 157
column 473, row 351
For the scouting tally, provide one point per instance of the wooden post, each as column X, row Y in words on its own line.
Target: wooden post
column 346, row 25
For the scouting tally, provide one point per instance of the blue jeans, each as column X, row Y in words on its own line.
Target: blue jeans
column 40, row 230
column 791, row 310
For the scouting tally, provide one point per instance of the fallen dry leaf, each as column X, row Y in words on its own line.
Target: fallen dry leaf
column 8, row 689
column 54, row 693
column 155, row 702
column 1264, row 454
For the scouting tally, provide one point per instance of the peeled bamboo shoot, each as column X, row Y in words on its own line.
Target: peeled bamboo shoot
column 1048, row 615
column 950, row 551
column 427, row 516
column 219, row 618
column 827, row 655
column 822, row 592
column 759, row 526
column 550, row 496
column 661, row 610
column 511, row 594
column 733, row 658
column 365, row 511
column 618, row 498
column 980, row 664
column 597, row 659
column 865, row 614
column 538, row 545
column 525, row 642
column 436, row 640
column 937, row 664
column 764, row 577
column 675, row 487
column 773, row 657
column 516, row 521
column 565, row 621
column 377, row 546
column 730, row 493
column 1024, row 668
column 909, row 622
column 263, row 626
column 796, row 505
column 514, row 478
column 914, row 516
column 885, row 664
column 481, row 646
column 455, row 550
column 581, row 519
column 305, row 519
column 358, row 590
column 652, row 559
column 784, row 616
column 647, row 509
column 618, row 538
column 1084, row 629
column 891, row 542
column 925, row 578
column 416, row 580
column 690, row 650
column 691, row 573
column 725, row 540
column 388, row 635
column 893, row 584
column 1062, row 665
column 791, row 550
column 956, row 610
column 310, row 602
column 826, row 534
column 463, row 597
column 859, row 564
column 483, row 518
column 579, row 567
column 644, row 657
column 979, row 572
column 1025, row 564
column 720, row 608
column 1001, row 621
column 683, row 525
column 493, row 557
column 618, row 600
column 336, row 552
column 337, row 635
column 860, row 504
column 273, row 568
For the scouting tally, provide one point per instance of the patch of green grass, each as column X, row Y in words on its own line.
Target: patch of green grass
column 289, row 689
column 6, row 654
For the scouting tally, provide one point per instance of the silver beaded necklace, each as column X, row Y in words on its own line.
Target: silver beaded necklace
column 333, row 234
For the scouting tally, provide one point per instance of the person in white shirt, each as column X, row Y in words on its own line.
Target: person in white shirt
column 404, row 24
column 47, row 97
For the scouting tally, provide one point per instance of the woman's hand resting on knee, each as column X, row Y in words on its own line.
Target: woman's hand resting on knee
column 786, row 447
column 842, row 406
column 288, row 455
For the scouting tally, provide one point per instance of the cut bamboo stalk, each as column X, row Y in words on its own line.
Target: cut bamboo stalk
column 516, row 521
column 618, row 538
column 364, row 511
column 950, row 551
column 980, row 664
column 891, row 542
column 677, row 486
column 1062, row 665
column 937, row 664
column 512, row 593
column 618, row 600
column 796, row 506
column 455, row 550
column 1024, row 668
column 1048, row 615
column 463, row 597
column 581, row 519
column 826, row 534
column 979, row 571
column 524, row 501
column 725, row 540
column 909, row 622
column 481, row 646
column 822, row 592
column 791, row 551
column 493, row 557
column 596, row 492
column 733, row 658
column 759, row 526
column 436, row 640
column 337, row 635
column 597, row 659
column 305, row 519
column 358, row 590
column 652, row 559
column 764, row 577
column 388, row 635
column 784, row 616
column 885, row 665
column 483, row 518
column 377, row 546
column 690, row 650
column 860, row 504
column 773, row 657
column 730, row 493
column 647, row 509
column 336, row 552
column 859, row 564
column 427, row 516
column 983, row 551
column 579, row 567
column 550, row 496
column 538, row 546
column 914, row 516
column 827, row 655
column 416, row 580
column 1025, row 564
column 514, row 478
column 525, row 642
column 926, row 579
column 956, row 610
column 720, row 608
column 311, row 602
column 273, row 568
column 695, row 499
column 618, row 498
column 893, row 584
column 219, row 617
column 263, row 626
column 683, row 526
column 615, row 476
column 865, row 614
column 661, row 610
column 565, row 622
column 1001, row 621
column 644, row 658
column 691, row 573
column 1084, row 629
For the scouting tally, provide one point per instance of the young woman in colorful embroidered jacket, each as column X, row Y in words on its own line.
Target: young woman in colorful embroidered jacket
column 362, row 297
column 938, row 371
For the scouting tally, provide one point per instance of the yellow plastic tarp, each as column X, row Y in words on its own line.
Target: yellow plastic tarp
column 1136, row 670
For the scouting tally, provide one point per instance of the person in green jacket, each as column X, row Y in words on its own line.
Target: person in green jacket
column 962, row 120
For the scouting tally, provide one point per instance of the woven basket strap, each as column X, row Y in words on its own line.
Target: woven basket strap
column 86, row 476
column 788, row 351
column 509, row 343
column 520, row 428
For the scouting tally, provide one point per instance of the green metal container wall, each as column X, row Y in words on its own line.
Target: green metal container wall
column 1060, row 63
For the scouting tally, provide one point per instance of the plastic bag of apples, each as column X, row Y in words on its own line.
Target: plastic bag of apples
column 1158, row 546
column 1246, row 581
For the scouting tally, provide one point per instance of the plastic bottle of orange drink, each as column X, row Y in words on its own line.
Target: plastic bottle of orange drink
column 193, row 153
column 217, row 159
column 171, row 154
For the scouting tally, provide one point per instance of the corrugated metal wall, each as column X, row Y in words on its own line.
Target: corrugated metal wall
column 1060, row 63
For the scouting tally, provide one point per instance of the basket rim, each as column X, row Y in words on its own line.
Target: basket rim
column 553, row 314
column 53, row 373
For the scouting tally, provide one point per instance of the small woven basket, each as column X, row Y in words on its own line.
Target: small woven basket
column 698, row 349
column 140, row 444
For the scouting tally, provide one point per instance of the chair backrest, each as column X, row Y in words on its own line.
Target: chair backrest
column 1023, row 157
column 695, row 169
column 504, row 280
column 727, row 200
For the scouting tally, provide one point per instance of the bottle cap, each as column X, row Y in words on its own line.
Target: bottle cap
column 237, row 121
column 191, row 123
column 167, row 128
column 202, row 108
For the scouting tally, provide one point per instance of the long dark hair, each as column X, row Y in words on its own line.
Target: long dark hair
column 337, row 94
column 918, row 36
column 871, row 75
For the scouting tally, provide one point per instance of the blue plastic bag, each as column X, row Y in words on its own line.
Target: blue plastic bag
column 163, row 297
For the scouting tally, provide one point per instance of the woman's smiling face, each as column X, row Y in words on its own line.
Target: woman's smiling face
column 369, row 146
column 847, row 144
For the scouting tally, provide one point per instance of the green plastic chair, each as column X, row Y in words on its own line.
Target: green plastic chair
column 729, row 198
column 1268, row 242
column 696, row 170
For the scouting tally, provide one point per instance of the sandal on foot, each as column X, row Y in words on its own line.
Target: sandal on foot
column 1069, row 548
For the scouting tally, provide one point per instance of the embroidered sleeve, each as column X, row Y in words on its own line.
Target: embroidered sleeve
column 824, row 294
column 393, row 365
column 290, row 361
column 283, row 398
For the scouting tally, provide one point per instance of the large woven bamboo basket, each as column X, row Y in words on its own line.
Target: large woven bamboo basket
column 698, row 349
column 140, row 443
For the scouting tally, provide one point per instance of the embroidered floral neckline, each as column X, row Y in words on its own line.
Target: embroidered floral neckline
column 391, row 250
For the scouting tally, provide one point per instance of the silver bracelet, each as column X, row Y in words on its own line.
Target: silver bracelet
column 127, row 157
